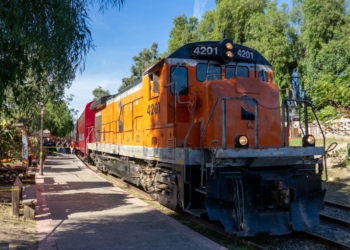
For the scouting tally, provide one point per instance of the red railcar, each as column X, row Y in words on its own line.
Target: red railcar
column 86, row 120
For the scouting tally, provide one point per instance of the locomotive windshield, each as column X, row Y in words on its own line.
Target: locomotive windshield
column 263, row 75
column 233, row 70
column 206, row 71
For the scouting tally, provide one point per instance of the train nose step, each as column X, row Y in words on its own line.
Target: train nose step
column 201, row 190
column 198, row 212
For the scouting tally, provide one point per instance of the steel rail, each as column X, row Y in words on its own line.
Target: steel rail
column 337, row 205
column 335, row 221
column 325, row 241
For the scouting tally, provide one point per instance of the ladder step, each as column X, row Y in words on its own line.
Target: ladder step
column 201, row 190
column 198, row 212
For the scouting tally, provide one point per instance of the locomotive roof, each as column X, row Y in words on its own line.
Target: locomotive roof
column 128, row 87
column 99, row 103
column 185, row 51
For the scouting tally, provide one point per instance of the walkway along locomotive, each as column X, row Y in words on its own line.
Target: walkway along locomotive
column 203, row 130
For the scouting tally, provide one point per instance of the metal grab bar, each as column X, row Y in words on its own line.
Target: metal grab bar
column 307, row 104
column 223, row 108
column 189, row 130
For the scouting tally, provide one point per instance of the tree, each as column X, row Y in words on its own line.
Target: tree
column 272, row 35
column 234, row 16
column 42, row 41
column 183, row 32
column 58, row 119
column 206, row 28
column 330, row 92
column 99, row 92
column 321, row 21
column 145, row 58
column 324, row 66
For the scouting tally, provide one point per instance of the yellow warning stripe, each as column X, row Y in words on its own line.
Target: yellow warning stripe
column 11, row 189
column 57, row 147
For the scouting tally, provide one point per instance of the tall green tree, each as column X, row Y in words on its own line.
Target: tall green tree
column 58, row 118
column 272, row 35
column 207, row 30
column 234, row 16
column 41, row 41
column 142, row 61
column 183, row 32
column 99, row 92
column 324, row 66
column 321, row 21
column 332, row 90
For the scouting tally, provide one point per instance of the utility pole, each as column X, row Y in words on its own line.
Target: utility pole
column 41, row 139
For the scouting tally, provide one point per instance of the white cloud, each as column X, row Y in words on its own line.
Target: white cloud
column 198, row 9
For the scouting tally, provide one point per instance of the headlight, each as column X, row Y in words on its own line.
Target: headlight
column 229, row 54
column 308, row 141
column 241, row 141
column 228, row 46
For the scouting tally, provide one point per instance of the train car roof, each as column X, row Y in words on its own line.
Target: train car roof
column 86, row 107
column 128, row 87
column 154, row 66
column 100, row 103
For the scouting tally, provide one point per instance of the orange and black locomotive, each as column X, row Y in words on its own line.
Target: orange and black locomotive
column 205, row 130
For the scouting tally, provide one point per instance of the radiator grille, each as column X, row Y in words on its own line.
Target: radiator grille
column 170, row 149
column 138, row 138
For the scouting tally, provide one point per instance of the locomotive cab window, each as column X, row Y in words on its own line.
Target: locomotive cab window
column 232, row 71
column 206, row 71
column 179, row 75
column 154, row 85
column 262, row 75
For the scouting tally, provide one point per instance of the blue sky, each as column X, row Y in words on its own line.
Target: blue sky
column 120, row 35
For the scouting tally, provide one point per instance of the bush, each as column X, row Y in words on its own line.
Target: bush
column 35, row 150
column 339, row 158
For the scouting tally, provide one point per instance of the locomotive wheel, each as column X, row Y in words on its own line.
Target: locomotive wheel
column 179, row 203
column 101, row 167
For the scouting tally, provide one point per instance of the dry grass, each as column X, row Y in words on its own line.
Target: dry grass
column 16, row 233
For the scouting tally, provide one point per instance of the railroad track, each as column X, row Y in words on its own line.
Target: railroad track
column 336, row 216
column 307, row 235
column 334, row 220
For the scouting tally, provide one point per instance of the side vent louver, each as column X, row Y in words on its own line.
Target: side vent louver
column 170, row 149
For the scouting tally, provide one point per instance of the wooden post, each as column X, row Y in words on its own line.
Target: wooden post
column 16, row 190
column 16, row 196
column 29, row 211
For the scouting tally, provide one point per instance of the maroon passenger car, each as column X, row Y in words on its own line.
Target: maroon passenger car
column 85, row 121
